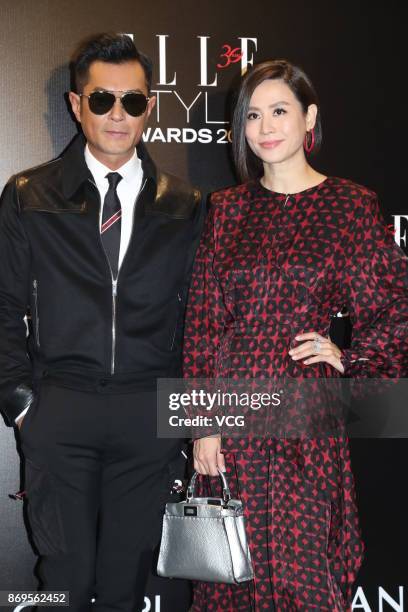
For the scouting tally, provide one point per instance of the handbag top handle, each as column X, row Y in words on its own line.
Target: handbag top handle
column 226, row 493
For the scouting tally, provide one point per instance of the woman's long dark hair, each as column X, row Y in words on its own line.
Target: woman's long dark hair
column 248, row 165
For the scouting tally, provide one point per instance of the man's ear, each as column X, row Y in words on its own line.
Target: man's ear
column 75, row 101
column 150, row 106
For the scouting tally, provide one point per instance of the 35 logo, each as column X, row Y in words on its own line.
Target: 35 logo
column 231, row 56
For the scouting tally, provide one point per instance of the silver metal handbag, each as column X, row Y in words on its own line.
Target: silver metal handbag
column 204, row 539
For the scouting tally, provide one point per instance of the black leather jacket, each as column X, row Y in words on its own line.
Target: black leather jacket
column 86, row 330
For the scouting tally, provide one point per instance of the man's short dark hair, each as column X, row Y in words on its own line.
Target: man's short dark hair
column 105, row 47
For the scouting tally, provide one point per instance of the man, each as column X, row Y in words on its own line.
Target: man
column 98, row 244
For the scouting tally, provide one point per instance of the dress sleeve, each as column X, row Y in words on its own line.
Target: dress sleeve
column 205, row 314
column 375, row 286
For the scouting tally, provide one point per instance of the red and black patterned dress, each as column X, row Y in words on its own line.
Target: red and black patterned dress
column 266, row 270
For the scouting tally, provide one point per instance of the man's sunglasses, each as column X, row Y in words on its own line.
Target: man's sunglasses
column 101, row 102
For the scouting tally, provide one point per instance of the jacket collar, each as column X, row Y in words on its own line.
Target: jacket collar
column 75, row 172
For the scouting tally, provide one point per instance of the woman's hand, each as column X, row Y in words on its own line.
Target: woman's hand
column 207, row 455
column 317, row 348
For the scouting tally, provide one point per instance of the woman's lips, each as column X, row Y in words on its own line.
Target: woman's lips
column 270, row 144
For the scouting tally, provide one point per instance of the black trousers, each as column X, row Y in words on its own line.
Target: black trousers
column 97, row 478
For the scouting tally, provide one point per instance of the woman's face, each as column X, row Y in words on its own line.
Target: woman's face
column 276, row 124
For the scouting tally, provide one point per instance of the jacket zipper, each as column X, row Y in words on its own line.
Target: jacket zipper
column 115, row 281
column 177, row 320
column 36, row 315
column 114, row 296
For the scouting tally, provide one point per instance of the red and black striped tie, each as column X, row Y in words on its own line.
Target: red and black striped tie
column 111, row 222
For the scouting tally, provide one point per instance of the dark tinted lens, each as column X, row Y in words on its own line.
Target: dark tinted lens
column 100, row 102
column 134, row 103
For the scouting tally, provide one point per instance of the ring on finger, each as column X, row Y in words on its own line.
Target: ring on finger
column 317, row 344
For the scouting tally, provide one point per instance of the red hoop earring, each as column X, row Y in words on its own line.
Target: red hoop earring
column 309, row 146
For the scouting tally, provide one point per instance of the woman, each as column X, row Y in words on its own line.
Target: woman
column 281, row 254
